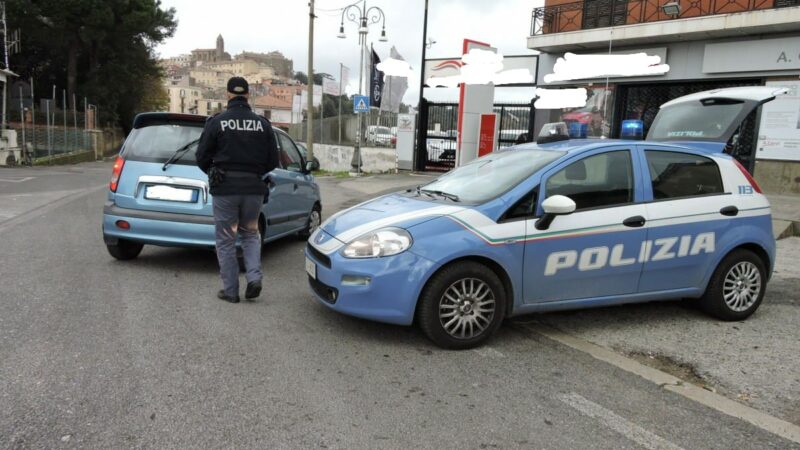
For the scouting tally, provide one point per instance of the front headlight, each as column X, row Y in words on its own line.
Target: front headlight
column 384, row 242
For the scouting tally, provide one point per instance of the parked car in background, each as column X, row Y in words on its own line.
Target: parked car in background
column 441, row 150
column 379, row 135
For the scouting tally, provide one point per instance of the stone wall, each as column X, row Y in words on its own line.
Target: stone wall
column 778, row 177
column 336, row 158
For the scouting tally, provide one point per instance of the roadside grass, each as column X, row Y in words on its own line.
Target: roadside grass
column 327, row 173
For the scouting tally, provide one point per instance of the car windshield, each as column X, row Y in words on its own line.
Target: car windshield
column 156, row 143
column 382, row 130
column 488, row 177
column 694, row 121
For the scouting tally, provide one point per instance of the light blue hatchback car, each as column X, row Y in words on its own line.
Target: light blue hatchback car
column 158, row 195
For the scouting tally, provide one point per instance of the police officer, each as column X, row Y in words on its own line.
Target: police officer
column 237, row 149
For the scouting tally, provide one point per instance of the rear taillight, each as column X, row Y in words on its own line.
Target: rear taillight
column 116, row 173
column 747, row 175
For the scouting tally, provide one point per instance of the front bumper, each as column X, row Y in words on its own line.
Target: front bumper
column 395, row 283
column 158, row 228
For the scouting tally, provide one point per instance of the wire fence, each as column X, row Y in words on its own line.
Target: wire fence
column 379, row 129
column 50, row 127
column 44, row 141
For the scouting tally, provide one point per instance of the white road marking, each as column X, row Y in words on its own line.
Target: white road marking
column 617, row 423
column 674, row 384
column 489, row 352
column 18, row 180
column 38, row 211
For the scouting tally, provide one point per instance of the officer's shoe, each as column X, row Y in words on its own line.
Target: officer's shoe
column 253, row 290
column 223, row 296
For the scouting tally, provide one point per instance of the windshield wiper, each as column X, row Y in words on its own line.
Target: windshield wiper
column 179, row 153
column 418, row 189
column 452, row 197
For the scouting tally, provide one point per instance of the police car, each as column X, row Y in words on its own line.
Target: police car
column 158, row 195
column 561, row 224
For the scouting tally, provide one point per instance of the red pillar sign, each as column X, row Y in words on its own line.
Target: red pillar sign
column 487, row 138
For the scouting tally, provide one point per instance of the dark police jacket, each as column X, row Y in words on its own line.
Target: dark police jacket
column 239, row 142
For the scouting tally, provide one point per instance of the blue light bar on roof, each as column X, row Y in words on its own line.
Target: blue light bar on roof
column 578, row 130
column 632, row 129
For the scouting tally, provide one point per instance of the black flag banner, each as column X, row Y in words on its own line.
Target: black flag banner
column 375, row 82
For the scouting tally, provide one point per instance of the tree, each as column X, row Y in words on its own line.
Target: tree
column 301, row 77
column 102, row 49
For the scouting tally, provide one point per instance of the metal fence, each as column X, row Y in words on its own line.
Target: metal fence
column 54, row 125
column 45, row 141
column 441, row 133
column 379, row 129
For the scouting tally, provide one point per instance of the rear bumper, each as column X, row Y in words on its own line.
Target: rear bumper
column 158, row 228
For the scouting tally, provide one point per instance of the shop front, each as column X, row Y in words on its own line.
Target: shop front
column 769, row 140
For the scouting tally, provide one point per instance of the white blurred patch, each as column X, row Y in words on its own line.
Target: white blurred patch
column 578, row 67
column 395, row 68
column 560, row 98
column 482, row 67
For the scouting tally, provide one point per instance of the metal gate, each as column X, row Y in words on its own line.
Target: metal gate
column 643, row 101
column 438, row 131
column 441, row 136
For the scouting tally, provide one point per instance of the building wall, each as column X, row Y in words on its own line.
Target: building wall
column 281, row 115
column 210, row 78
column 685, row 61
column 570, row 16
column 778, row 177
column 239, row 68
column 283, row 66
column 192, row 98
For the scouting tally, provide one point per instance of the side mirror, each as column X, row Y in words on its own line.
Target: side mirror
column 557, row 205
column 312, row 166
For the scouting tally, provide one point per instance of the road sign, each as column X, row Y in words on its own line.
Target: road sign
column 361, row 103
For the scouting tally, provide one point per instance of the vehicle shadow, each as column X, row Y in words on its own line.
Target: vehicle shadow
column 200, row 260
column 175, row 259
column 621, row 317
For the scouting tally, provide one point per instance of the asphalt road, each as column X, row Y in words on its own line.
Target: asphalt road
column 96, row 353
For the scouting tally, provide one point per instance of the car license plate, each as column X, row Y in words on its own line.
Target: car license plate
column 311, row 268
column 169, row 193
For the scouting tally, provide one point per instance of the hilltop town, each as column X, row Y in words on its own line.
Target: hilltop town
column 196, row 82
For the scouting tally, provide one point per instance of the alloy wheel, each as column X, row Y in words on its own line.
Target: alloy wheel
column 741, row 286
column 467, row 308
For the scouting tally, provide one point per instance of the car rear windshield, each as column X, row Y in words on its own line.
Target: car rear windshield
column 689, row 121
column 157, row 142
column 488, row 177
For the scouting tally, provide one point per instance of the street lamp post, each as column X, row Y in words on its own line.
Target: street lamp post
column 363, row 17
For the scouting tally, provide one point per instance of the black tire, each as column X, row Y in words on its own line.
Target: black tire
column 736, row 277
column 125, row 250
column 435, row 306
column 310, row 227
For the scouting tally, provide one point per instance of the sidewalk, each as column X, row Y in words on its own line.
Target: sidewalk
column 785, row 215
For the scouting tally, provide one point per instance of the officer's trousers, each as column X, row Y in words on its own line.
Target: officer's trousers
column 237, row 214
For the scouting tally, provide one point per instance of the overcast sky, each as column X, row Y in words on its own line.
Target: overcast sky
column 267, row 25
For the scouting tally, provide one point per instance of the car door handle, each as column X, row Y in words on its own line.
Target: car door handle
column 295, row 187
column 729, row 211
column 634, row 222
